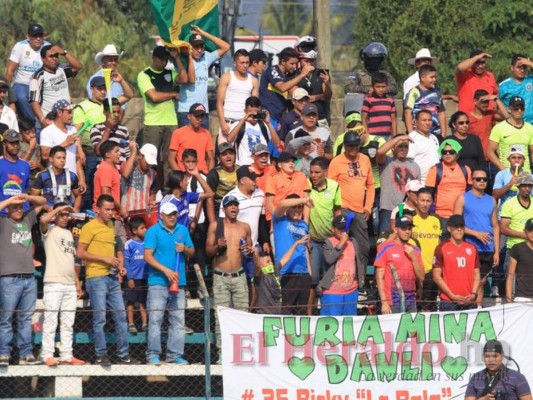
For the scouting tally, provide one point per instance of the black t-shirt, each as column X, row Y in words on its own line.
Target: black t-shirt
column 471, row 153
column 524, row 269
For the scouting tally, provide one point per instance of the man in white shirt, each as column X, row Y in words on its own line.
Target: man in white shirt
column 424, row 146
column 422, row 57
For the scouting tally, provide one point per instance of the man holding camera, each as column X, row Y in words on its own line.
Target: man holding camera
column 496, row 381
column 253, row 129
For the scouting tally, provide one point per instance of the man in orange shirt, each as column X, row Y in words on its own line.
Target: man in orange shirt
column 261, row 166
column 192, row 136
column 353, row 172
column 449, row 180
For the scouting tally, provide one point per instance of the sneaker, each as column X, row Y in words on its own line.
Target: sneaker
column 155, row 360
column 179, row 361
column 29, row 360
column 104, row 361
column 495, row 291
column 4, row 361
column 51, row 361
column 128, row 360
column 132, row 329
column 73, row 361
column 144, row 328
column 188, row 331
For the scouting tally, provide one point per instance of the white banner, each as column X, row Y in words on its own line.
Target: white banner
column 427, row 356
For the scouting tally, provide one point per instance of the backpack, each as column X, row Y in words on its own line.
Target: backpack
column 240, row 135
column 439, row 177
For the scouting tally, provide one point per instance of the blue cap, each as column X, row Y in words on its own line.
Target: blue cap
column 62, row 105
column 226, row 201
column 98, row 81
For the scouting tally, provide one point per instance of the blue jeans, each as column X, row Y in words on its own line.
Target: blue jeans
column 89, row 170
column 17, row 295
column 183, row 120
column 22, row 93
column 159, row 300
column 384, row 220
column 104, row 291
column 339, row 304
column 317, row 261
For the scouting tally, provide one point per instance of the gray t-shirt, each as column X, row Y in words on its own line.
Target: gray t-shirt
column 393, row 175
column 17, row 246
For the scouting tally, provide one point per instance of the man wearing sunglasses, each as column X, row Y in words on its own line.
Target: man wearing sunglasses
column 520, row 83
column 511, row 132
column 481, row 224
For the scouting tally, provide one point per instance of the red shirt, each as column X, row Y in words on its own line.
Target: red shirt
column 107, row 175
column 458, row 263
column 187, row 138
column 392, row 253
column 468, row 83
column 481, row 127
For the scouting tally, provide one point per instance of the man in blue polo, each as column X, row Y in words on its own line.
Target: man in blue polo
column 167, row 245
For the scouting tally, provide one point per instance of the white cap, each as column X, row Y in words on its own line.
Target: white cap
column 516, row 149
column 109, row 50
column 422, row 53
column 149, row 151
column 168, row 208
column 413, row 186
column 299, row 94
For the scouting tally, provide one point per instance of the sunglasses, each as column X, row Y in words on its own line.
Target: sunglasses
column 463, row 122
column 519, row 108
column 448, row 152
column 480, row 179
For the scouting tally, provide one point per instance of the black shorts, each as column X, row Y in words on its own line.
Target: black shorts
column 138, row 294
column 485, row 259
column 295, row 290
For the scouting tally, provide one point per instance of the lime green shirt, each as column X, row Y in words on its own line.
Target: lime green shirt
column 321, row 215
column 506, row 135
column 157, row 114
column 517, row 215
column 88, row 110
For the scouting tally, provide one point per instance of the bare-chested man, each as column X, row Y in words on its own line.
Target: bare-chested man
column 230, row 288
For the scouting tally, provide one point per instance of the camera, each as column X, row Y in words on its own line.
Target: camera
column 260, row 116
column 500, row 395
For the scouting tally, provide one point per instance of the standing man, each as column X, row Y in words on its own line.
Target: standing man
column 519, row 84
column 223, row 177
column 49, row 84
column 160, row 89
column 353, row 172
column 521, row 259
column 14, row 172
column 423, row 146
column 482, row 228
column 456, row 269
column 507, row 179
column 109, row 58
column 275, row 85
column 198, row 64
column 258, row 62
column 293, row 119
column 24, row 61
column 496, row 379
column 98, row 248
column 223, row 243
column 167, row 246
column 233, row 89
column 470, row 75
column 422, row 57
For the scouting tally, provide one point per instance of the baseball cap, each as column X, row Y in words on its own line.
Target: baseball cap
column 62, row 105
column 197, row 109
column 456, row 220
column 353, row 117
column 525, row 180
column 35, row 30
column 260, row 149
column 516, row 101
column 222, row 147
column 285, row 156
column 168, row 208
column 196, row 39
column 493, row 345
column 516, row 150
column 413, row 186
column 339, row 222
column 529, row 224
column 351, row 139
column 160, row 52
column 11, row 135
column 97, row 81
column 309, row 108
column 149, row 151
column 226, row 201
column 403, row 221
column 245, row 172
column 300, row 94
column 3, row 84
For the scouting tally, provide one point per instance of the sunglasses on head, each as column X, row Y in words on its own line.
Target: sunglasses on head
column 448, row 152
column 463, row 122
column 480, row 179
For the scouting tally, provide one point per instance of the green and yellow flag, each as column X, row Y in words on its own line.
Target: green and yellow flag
column 175, row 17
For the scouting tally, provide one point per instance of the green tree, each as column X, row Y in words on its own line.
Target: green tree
column 287, row 17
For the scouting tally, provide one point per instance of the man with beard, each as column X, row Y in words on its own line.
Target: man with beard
column 14, row 172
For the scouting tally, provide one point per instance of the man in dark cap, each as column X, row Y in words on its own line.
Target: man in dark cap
column 496, row 381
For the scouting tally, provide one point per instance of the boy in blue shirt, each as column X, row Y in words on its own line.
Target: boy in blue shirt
column 137, row 274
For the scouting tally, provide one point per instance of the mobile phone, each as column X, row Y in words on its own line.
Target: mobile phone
column 260, row 116
column 323, row 71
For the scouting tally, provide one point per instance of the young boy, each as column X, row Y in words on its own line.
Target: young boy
column 339, row 284
column 57, row 183
column 267, row 281
column 354, row 122
column 140, row 179
column 426, row 96
column 379, row 110
column 137, row 274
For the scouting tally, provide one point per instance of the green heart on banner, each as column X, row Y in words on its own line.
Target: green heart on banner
column 301, row 367
column 454, row 366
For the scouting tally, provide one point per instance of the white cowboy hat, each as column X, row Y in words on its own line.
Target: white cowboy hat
column 422, row 53
column 109, row 50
